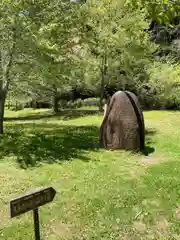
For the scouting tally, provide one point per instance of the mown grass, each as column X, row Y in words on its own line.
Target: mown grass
column 100, row 194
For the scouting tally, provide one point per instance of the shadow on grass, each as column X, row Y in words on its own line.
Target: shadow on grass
column 149, row 133
column 34, row 143
column 71, row 114
column 65, row 114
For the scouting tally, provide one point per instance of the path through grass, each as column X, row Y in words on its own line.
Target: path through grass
column 100, row 194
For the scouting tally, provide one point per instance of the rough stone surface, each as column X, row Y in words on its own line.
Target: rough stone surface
column 123, row 123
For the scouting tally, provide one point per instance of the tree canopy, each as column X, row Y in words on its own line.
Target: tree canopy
column 51, row 47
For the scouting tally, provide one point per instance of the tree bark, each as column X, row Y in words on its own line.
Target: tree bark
column 101, row 92
column 55, row 100
column 55, row 104
column 6, row 79
column 9, row 103
column 2, row 105
column 34, row 104
column 102, row 79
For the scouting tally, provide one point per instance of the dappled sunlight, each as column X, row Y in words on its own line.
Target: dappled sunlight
column 52, row 139
column 61, row 64
column 32, row 143
column 108, row 192
column 47, row 114
column 28, row 112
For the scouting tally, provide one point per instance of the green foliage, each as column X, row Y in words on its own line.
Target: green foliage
column 163, row 90
column 162, row 11
column 60, row 46
column 88, row 102
column 79, row 103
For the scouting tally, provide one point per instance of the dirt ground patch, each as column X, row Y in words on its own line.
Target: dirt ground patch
column 152, row 160
column 60, row 229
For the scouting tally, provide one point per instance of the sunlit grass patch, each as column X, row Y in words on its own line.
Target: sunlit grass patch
column 100, row 194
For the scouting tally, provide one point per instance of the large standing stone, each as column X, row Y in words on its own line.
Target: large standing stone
column 123, row 123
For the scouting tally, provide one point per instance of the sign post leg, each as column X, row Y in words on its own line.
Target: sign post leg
column 36, row 224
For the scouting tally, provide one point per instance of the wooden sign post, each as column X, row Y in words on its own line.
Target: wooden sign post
column 31, row 201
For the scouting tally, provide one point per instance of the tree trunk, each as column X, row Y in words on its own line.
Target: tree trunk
column 2, row 105
column 55, row 104
column 9, row 102
column 102, row 79
column 16, row 106
column 34, row 104
column 101, row 92
column 4, row 85
column 55, row 100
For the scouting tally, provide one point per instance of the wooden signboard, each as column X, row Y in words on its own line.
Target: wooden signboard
column 31, row 201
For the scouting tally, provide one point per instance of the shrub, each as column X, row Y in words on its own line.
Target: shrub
column 161, row 91
column 88, row 102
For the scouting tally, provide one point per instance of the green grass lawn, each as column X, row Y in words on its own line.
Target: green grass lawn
column 100, row 194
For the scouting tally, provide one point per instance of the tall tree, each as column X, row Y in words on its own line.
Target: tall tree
column 26, row 30
column 9, row 43
column 116, row 38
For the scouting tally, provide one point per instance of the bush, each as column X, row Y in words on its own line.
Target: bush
column 79, row 103
column 161, row 91
column 90, row 102
column 17, row 107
